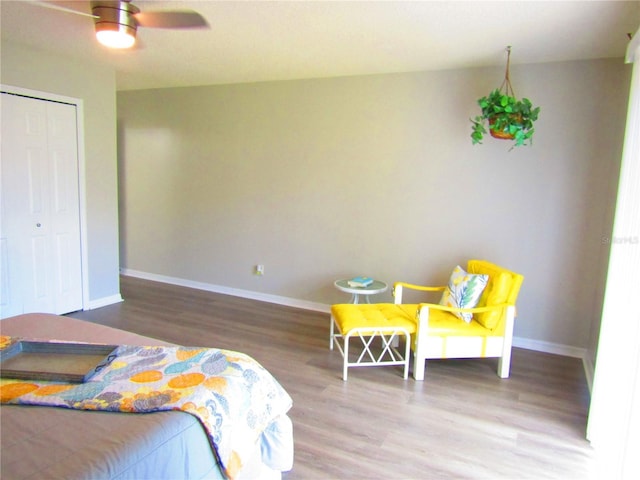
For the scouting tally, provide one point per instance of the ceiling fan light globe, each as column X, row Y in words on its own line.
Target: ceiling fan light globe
column 115, row 23
column 118, row 38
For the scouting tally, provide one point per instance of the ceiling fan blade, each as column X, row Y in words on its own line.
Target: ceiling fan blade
column 60, row 8
column 172, row 19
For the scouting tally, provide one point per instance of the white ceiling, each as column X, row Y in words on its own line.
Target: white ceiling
column 253, row 41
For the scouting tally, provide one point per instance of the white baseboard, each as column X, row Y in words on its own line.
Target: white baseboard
column 519, row 342
column 548, row 347
column 103, row 302
column 236, row 292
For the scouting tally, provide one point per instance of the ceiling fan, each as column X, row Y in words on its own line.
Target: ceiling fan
column 116, row 22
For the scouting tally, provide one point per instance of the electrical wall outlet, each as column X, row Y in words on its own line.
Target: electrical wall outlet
column 259, row 270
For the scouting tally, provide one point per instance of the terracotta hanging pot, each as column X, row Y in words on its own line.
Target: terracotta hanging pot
column 501, row 134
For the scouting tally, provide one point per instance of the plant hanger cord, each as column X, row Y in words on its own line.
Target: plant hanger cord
column 506, row 83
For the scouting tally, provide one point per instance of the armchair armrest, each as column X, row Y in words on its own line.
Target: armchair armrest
column 399, row 286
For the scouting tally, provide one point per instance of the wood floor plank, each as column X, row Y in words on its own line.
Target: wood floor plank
column 462, row 422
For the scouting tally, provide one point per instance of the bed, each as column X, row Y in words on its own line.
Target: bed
column 47, row 442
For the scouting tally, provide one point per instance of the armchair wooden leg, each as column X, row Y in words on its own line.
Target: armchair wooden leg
column 345, row 360
column 331, row 322
column 504, row 364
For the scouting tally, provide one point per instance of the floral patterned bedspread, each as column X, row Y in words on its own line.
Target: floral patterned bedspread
column 232, row 395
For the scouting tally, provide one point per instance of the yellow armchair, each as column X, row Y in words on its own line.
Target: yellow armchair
column 441, row 334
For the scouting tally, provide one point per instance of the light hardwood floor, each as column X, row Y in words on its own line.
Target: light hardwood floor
column 462, row 422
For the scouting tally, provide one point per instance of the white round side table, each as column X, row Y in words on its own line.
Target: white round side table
column 376, row 287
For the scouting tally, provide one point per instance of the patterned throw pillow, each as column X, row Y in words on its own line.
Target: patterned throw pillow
column 463, row 291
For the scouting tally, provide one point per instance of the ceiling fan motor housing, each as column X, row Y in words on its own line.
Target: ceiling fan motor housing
column 115, row 16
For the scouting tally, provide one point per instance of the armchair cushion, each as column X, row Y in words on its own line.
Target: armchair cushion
column 463, row 291
column 443, row 324
column 495, row 293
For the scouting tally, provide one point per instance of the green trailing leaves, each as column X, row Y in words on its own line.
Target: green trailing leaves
column 506, row 117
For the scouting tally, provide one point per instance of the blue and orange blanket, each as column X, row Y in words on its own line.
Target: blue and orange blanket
column 232, row 395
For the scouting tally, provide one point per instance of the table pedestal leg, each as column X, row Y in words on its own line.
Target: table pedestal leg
column 355, row 298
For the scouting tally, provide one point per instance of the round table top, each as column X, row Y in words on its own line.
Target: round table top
column 376, row 287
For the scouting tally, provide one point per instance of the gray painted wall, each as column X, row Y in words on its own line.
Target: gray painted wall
column 329, row 178
column 95, row 85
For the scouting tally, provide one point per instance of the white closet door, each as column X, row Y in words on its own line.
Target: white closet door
column 40, row 253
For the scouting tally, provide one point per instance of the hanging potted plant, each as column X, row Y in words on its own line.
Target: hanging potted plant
column 504, row 115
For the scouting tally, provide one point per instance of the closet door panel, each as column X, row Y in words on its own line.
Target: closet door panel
column 64, row 209
column 40, row 228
